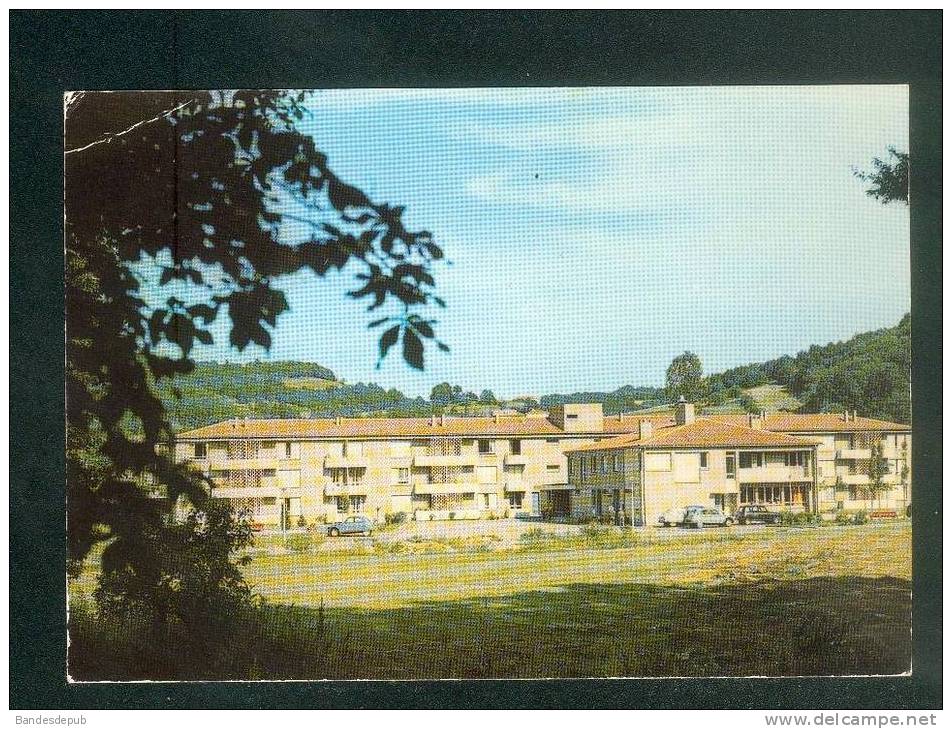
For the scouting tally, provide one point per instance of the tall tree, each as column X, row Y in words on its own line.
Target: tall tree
column 199, row 188
column 683, row 378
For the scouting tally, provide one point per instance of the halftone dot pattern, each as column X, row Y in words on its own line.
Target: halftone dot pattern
column 596, row 233
column 592, row 235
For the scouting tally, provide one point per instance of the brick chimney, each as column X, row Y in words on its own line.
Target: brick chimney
column 684, row 412
column 645, row 429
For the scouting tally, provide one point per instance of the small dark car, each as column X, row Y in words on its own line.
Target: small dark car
column 756, row 514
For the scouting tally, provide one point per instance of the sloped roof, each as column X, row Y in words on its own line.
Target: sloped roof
column 514, row 426
column 702, row 433
column 814, row 422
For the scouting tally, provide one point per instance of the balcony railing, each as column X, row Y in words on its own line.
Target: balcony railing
column 516, row 459
column 427, row 461
column 353, row 461
column 854, row 454
column 455, row 487
column 774, row 474
column 251, row 464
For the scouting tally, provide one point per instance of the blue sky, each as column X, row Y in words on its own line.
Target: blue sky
column 594, row 234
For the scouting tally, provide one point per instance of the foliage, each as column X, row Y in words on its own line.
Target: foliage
column 183, row 573
column 684, row 378
column 300, row 542
column 868, row 373
column 889, row 180
column 748, row 403
column 877, row 468
column 799, row 518
column 175, row 203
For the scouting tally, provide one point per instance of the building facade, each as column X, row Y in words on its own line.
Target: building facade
column 299, row 472
column 785, row 461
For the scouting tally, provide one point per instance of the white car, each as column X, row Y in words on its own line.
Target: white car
column 677, row 515
column 708, row 517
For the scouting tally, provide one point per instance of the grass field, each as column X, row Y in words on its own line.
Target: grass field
column 763, row 601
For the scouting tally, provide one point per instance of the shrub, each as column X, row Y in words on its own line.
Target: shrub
column 397, row 518
column 299, row 542
column 844, row 518
column 191, row 582
column 799, row 518
column 452, row 515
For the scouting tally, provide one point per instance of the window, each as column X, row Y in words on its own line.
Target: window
column 617, row 464
column 751, row 460
column 515, row 447
column 731, row 469
column 703, row 459
column 594, row 465
column 287, row 449
column 515, row 470
column 201, row 450
column 552, row 468
column 467, row 469
column 485, row 446
column 341, row 503
column 571, row 416
column 268, row 501
column 400, row 475
column 604, row 464
column 357, row 504
column 515, row 499
column 551, row 440
column 793, row 459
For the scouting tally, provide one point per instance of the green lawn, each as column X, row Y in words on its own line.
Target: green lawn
column 777, row 601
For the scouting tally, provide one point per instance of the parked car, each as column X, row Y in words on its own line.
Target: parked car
column 351, row 525
column 708, row 517
column 677, row 515
column 756, row 514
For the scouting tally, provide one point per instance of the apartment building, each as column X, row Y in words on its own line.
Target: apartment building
column 428, row 468
column 441, row 467
column 783, row 460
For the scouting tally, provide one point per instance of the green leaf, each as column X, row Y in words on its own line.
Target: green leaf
column 412, row 349
column 387, row 340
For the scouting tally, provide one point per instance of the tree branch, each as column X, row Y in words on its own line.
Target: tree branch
column 110, row 137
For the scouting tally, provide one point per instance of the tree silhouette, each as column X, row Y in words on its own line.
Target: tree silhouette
column 889, row 181
column 683, row 378
column 197, row 186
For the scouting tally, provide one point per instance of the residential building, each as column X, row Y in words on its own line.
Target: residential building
column 784, row 460
column 442, row 467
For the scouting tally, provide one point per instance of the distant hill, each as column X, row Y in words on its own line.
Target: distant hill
column 868, row 373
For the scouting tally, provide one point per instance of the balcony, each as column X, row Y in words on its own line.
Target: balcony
column 854, row 454
column 516, row 459
column 856, row 479
column 350, row 489
column 252, row 464
column 430, row 461
column 251, row 492
column 457, row 487
column 774, row 474
column 355, row 461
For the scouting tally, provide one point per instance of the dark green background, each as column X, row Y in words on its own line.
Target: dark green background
column 55, row 51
